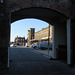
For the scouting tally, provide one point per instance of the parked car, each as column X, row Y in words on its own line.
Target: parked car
column 19, row 44
column 34, row 45
column 13, row 45
column 44, row 45
column 27, row 45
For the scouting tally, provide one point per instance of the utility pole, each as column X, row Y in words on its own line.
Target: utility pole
column 48, row 37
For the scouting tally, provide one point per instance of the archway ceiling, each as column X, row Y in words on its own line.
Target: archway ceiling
column 47, row 15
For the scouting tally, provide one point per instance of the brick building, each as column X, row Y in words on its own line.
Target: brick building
column 41, row 35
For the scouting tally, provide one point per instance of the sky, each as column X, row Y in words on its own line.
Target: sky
column 20, row 28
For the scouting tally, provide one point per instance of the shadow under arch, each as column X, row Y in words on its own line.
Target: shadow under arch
column 49, row 15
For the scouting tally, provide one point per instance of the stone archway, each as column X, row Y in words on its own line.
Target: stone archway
column 51, row 16
column 14, row 6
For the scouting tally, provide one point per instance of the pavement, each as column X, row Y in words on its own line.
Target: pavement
column 44, row 52
column 40, row 51
column 27, row 61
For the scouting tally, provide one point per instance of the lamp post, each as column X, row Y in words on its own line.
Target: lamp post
column 48, row 37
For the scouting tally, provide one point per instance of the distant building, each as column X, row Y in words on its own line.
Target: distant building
column 31, row 34
column 41, row 35
column 20, row 40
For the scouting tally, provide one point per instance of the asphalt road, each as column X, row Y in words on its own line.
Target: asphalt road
column 26, row 61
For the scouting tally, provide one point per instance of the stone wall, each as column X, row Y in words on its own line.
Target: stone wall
column 59, row 5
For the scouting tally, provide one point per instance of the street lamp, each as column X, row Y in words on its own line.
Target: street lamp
column 48, row 37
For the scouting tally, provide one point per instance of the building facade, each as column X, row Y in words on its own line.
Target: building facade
column 31, row 35
column 42, row 35
column 20, row 40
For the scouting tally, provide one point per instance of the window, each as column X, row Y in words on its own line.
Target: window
column 1, row 1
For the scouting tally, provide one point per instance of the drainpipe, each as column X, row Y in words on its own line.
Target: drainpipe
column 68, row 42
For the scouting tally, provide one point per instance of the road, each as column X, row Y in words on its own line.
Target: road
column 26, row 61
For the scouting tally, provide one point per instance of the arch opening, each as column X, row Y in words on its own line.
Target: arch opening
column 57, row 20
column 27, row 23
